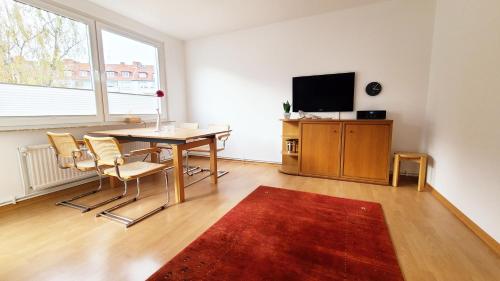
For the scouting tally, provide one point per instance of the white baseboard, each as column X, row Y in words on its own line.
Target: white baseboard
column 14, row 199
column 237, row 159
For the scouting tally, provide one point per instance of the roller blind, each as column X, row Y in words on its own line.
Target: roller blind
column 45, row 63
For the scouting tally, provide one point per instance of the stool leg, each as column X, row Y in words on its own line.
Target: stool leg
column 395, row 171
column 422, row 173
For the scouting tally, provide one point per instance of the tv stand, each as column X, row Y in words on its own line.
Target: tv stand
column 353, row 150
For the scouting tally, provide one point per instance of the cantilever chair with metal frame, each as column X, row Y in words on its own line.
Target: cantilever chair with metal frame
column 66, row 146
column 206, row 149
column 106, row 150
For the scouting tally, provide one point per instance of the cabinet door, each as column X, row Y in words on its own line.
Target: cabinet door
column 320, row 149
column 366, row 151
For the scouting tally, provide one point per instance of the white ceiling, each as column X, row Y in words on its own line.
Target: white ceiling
column 189, row 19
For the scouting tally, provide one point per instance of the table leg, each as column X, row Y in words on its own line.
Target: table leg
column 154, row 156
column 113, row 182
column 422, row 173
column 178, row 174
column 395, row 171
column 213, row 160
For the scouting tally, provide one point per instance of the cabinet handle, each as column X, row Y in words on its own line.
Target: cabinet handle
column 351, row 131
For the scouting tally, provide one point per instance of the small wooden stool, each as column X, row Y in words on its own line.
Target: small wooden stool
column 420, row 158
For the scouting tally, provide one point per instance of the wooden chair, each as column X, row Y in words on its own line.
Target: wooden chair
column 66, row 146
column 420, row 158
column 222, row 138
column 106, row 151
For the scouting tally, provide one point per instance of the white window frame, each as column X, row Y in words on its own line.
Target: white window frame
column 98, row 74
column 100, row 26
column 65, row 119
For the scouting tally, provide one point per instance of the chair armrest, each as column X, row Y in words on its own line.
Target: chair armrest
column 165, row 146
column 117, row 165
column 223, row 136
column 77, row 153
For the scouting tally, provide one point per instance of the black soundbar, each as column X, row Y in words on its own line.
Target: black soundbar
column 371, row 114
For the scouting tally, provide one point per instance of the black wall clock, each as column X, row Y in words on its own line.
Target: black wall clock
column 373, row 88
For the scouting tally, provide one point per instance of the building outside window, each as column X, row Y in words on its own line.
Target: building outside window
column 34, row 78
column 68, row 73
column 130, row 97
column 47, row 79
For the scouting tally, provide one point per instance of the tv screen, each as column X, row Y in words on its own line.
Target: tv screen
column 324, row 93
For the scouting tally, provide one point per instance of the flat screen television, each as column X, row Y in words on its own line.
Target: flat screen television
column 324, row 93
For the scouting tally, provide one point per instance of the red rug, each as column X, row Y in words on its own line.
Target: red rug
column 279, row 234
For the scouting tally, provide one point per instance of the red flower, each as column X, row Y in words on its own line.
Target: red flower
column 160, row 93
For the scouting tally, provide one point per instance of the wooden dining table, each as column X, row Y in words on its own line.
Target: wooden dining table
column 180, row 139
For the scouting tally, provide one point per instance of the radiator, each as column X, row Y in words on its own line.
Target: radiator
column 41, row 174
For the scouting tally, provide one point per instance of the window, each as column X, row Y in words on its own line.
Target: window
column 129, row 96
column 48, row 56
column 38, row 50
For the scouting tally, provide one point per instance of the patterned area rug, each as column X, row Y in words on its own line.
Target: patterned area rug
column 279, row 234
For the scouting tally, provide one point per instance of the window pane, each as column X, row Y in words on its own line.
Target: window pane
column 45, row 63
column 132, row 74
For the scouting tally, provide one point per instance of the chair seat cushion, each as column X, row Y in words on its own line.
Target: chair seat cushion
column 85, row 165
column 136, row 169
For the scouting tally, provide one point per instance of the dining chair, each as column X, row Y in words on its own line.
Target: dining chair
column 221, row 139
column 192, row 125
column 189, row 125
column 107, row 151
column 67, row 147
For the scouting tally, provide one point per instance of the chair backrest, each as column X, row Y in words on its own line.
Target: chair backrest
column 64, row 144
column 223, row 127
column 189, row 125
column 104, row 149
column 224, row 136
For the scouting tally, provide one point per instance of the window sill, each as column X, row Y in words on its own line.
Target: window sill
column 66, row 126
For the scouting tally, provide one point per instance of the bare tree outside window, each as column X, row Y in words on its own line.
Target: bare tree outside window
column 37, row 47
column 46, row 67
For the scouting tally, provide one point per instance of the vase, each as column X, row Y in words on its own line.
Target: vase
column 286, row 115
column 158, row 122
column 158, row 117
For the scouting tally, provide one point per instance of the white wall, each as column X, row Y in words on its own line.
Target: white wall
column 243, row 77
column 176, row 103
column 463, row 131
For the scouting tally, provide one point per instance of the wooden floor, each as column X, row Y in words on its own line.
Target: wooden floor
column 40, row 241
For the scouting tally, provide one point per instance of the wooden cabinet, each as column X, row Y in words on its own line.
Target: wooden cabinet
column 356, row 150
column 366, row 151
column 289, row 161
column 320, row 149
